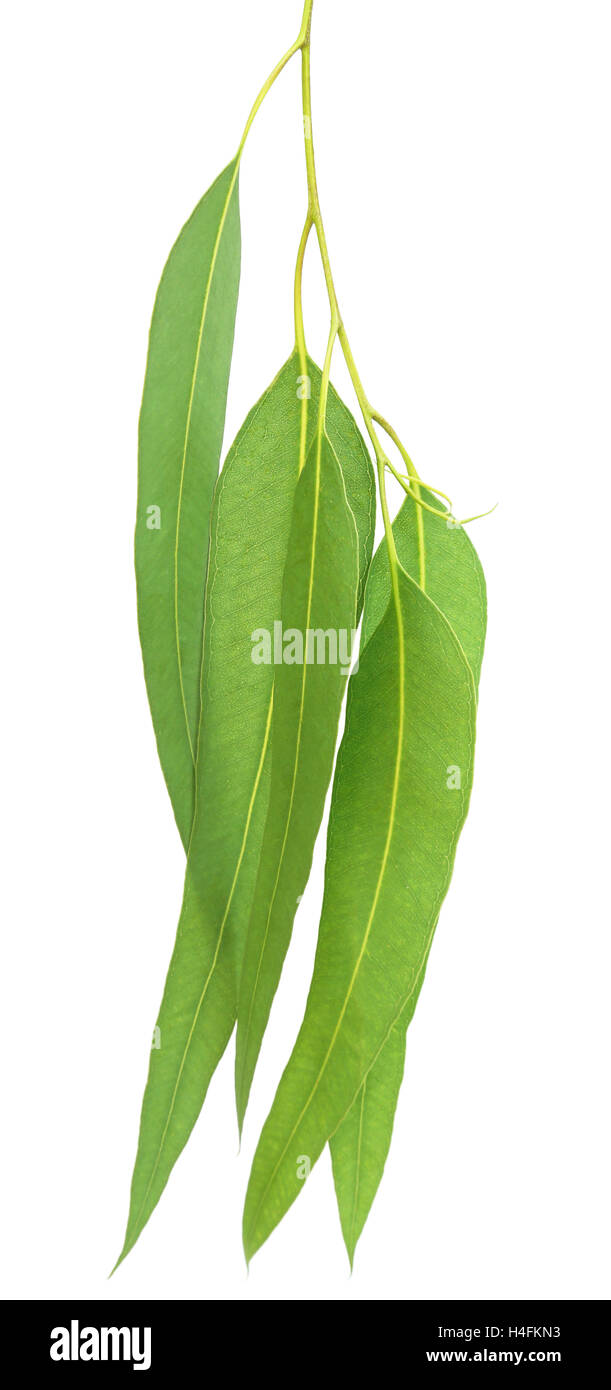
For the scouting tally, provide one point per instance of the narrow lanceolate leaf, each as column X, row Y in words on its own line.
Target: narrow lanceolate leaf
column 405, row 762
column 319, row 602
column 180, row 438
column 251, row 520
column 441, row 557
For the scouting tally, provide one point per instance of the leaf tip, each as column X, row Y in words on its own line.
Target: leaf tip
column 250, row 1243
column 241, row 1099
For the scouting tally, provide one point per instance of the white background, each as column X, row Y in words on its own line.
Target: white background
column 464, row 175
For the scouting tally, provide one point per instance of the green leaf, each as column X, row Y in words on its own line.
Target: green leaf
column 180, row 438
column 453, row 576
column 439, row 553
column 250, row 527
column 410, row 718
column 319, row 603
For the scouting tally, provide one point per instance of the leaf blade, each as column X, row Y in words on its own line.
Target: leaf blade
column 180, row 436
column 454, row 580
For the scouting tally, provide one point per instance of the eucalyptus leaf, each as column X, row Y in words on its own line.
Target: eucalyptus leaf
column 440, row 555
column 251, row 521
column 180, row 439
column 396, row 814
column 319, row 606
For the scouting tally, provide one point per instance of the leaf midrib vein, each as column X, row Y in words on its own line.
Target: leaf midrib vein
column 204, row 312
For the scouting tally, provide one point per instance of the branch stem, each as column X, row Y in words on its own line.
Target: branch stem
column 337, row 325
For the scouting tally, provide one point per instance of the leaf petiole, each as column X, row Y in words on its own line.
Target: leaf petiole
column 302, row 38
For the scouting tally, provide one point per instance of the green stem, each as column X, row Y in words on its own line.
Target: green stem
column 337, row 326
column 300, row 341
column 296, row 47
column 326, row 377
column 302, row 38
column 414, row 487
